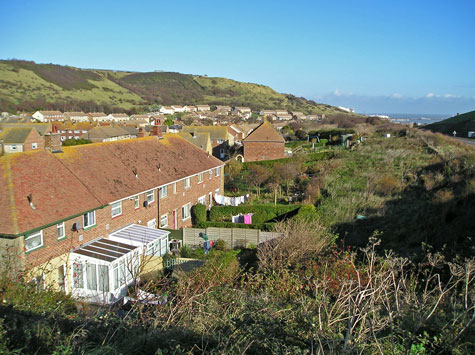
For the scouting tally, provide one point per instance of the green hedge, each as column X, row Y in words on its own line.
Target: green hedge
column 198, row 213
column 264, row 218
column 262, row 213
column 261, row 226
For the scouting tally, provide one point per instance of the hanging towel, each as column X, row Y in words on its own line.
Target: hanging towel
column 248, row 218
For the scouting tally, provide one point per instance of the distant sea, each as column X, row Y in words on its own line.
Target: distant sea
column 418, row 118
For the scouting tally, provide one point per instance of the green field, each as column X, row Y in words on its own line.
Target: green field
column 27, row 86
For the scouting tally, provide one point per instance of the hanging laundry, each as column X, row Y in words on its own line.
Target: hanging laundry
column 230, row 201
column 248, row 218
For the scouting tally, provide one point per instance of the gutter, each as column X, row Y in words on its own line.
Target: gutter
column 13, row 236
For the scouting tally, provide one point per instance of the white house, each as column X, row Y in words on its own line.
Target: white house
column 118, row 117
column 98, row 116
column 76, row 116
column 46, row 116
column 203, row 108
column 178, row 108
column 167, row 110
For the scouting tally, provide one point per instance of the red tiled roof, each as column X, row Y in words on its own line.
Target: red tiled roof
column 265, row 132
column 55, row 192
column 89, row 176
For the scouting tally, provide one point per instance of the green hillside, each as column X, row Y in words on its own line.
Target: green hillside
column 28, row 86
column 460, row 123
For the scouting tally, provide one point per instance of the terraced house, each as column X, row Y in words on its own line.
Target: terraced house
column 83, row 219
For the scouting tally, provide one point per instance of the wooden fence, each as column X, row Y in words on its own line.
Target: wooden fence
column 234, row 237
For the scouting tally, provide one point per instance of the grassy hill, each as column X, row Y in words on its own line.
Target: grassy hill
column 29, row 86
column 460, row 123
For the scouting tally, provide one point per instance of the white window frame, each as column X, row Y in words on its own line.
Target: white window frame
column 186, row 211
column 116, row 209
column 136, row 202
column 174, row 188
column 211, row 174
column 152, row 223
column 163, row 192
column 148, row 194
column 30, row 237
column 187, row 183
column 34, row 145
column 202, row 200
column 164, row 218
column 84, row 219
column 200, row 178
column 217, row 171
column 60, row 226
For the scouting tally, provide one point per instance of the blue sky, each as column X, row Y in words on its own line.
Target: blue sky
column 375, row 56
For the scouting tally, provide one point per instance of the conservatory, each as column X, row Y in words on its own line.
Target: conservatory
column 103, row 269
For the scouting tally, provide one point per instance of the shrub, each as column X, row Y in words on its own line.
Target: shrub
column 198, row 213
column 386, row 185
column 221, row 245
column 186, row 251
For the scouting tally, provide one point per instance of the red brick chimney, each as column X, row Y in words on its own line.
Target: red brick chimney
column 156, row 131
column 141, row 133
column 53, row 142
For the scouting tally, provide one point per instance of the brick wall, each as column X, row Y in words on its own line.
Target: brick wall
column 256, row 151
column 105, row 224
column 33, row 137
column 172, row 203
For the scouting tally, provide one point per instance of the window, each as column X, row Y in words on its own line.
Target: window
column 91, row 277
column 103, row 273
column 163, row 192
column 152, row 223
column 89, row 219
column 185, row 211
column 34, row 241
column 217, row 171
column 84, row 131
column 137, row 202
column 78, row 277
column 187, row 183
column 200, row 177
column 60, row 230
column 34, row 145
column 116, row 209
column 210, row 174
column 150, row 197
column 174, row 188
column 164, row 221
column 202, row 200
column 115, row 275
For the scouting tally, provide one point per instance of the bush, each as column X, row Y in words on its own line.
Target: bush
column 186, row 251
column 221, row 245
column 198, row 213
